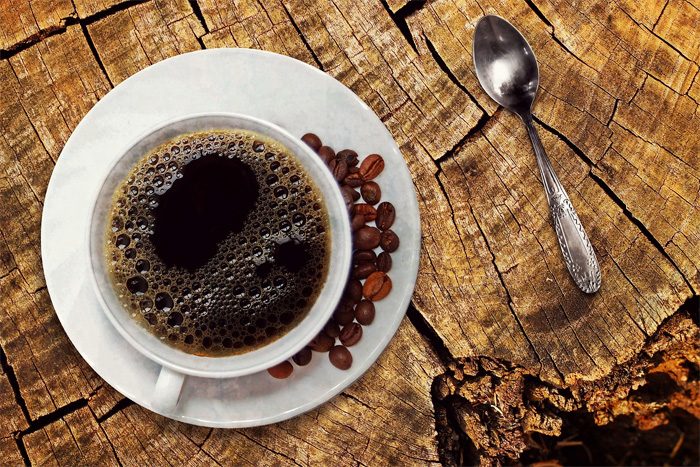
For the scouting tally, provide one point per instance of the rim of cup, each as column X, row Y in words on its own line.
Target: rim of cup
column 297, row 337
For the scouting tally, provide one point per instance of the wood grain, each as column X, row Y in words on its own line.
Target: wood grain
column 500, row 345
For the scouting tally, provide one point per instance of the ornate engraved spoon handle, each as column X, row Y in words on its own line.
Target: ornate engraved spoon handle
column 578, row 253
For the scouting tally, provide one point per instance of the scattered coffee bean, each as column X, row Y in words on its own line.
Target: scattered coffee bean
column 353, row 169
column 303, row 357
column 350, row 334
column 340, row 357
column 377, row 286
column 367, row 238
column 353, row 179
column 321, row 343
column 313, row 141
column 383, row 261
column 331, row 329
column 363, row 256
column 353, row 291
column 327, row 153
column 347, row 196
column 386, row 214
column 343, row 313
column 368, row 211
column 364, row 312
column 354, row 193
column 339, row 168
column 344, row 317
column 371, row 166
column 349, row 155
column 281, row 370
column 389, row 241
column 357, row 222
column 363, row 270
column 371, row 192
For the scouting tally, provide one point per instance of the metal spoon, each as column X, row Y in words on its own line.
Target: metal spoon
column 507, row 70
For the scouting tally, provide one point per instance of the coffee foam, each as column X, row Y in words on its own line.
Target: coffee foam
column 248, row 293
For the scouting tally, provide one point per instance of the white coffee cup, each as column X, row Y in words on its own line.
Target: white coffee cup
column 175, row 363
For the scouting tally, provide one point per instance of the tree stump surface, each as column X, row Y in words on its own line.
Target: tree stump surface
column 500, row 359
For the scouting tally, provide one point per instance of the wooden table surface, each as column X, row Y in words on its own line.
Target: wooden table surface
column 500, row 357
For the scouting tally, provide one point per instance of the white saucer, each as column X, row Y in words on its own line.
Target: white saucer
column 273, row 87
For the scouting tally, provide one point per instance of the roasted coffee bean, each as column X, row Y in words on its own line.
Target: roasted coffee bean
column 367, row 238
column 353, row 169
column 350, row 334
column 386, row 214
column 357, row 222
column 303, row 357
column 343, row 313
column 371, row 166
column 353, row 179
column 281, row 370
column 383, row 261
column 368, row 211
column 339, row 169
column 326, row 153
column 331, row 329
column 363, row 256
column 363, row 270
column 313, row 141
column 371, row 192
column 355, row 194
column 340, row 357
column 389, row 241
column 349, row 155
column 364, row 312
column 346, row 192
column 321, row 343
column 353, row 291
column 377, row 286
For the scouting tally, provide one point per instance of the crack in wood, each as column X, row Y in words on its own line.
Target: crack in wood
column 471, row 134
column 446, row 69
column 552, row 33
column 612, row 114
column 302, row 37
column 96, row 55
column 49, row 418
column 198, row 13
column 14, row 384
column 23, row 452
column 399, row 18
column 118, row 407
column 660, row 15
column 421, row 324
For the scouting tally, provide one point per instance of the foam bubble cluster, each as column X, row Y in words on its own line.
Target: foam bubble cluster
column 260, row 278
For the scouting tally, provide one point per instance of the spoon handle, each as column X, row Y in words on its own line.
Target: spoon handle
column 575, row 246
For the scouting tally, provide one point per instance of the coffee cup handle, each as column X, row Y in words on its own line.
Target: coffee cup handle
column 167, row 392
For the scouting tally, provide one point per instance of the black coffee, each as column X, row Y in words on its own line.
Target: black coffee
column 218, row 242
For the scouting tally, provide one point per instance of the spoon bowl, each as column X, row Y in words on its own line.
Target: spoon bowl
column 505, row 64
